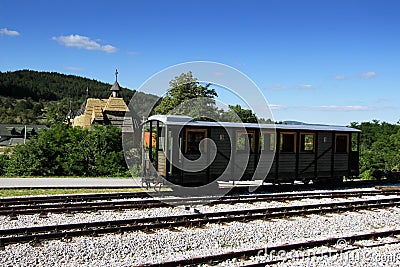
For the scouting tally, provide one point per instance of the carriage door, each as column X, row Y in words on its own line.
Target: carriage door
column 161, row 148
column 153, row 148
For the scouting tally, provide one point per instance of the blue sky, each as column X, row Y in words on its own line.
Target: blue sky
column 315, row 61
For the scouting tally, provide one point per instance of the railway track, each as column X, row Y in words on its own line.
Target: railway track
column 33, row 200
column 268, row 255
column 93, row 203
column 110, row 196
column 66, row 231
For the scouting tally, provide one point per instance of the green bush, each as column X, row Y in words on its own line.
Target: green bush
column 66, row 151
column 3, row 162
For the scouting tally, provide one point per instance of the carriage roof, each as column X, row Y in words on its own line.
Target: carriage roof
column 179, row 120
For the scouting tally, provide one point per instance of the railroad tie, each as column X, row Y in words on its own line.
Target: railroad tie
column 67, row 238
column 358, row 245
column 43, row 215
column 36, row 243
column 94, row 233
column 13, row 216
column 69, row 214
column 148, row 231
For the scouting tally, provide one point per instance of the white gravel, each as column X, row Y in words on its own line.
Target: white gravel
column 106, row 215
column 136, row 248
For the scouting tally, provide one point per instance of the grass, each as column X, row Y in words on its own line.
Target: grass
column 60, row 191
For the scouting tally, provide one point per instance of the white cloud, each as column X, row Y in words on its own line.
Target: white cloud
column 343, row 108
column 74, row 68
column 341, row 77
column 280, row 87
column 83, row 42
column 305, row 86
column 367, row 75
column 8, row 32
column 277, row 107
column 383, row 99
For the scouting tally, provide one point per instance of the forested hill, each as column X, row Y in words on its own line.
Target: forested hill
column 52, row 86
column 28, row 96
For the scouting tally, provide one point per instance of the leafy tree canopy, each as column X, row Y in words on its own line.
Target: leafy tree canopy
column 186, row 96
column 379, row 146
column 53, row 86
column 238, row 114
column 67, row 151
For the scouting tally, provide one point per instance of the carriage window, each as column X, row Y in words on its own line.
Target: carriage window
column 242, row 145
column 288, row 142
column 341, row 143
column 161, row 138
column 307, row 142
column 267, row 142
column 147, row 139
column 193, row 138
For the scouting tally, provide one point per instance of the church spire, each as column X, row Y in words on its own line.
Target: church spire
column 115, row 89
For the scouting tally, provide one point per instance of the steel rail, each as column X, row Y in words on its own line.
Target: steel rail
column 43, row 209
column 16, row 235
column 104, row 196
column 246, row 254
column 73, row 198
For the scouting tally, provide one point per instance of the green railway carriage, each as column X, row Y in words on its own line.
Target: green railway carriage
column 192, row 153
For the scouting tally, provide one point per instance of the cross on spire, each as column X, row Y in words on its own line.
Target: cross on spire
column 115, row 88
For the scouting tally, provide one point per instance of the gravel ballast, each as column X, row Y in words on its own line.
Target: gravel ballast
column 137, row 248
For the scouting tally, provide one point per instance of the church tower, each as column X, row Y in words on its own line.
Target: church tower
column 103, row 111
column 115, row 89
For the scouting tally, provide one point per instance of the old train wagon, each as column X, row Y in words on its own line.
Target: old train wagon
column 184, row 154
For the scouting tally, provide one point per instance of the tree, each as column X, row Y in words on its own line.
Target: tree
column 66, row 151
column 22, row 163
column 184, row 78
column 186, row 96
column 106, row 151
column 3, row 162
column 238, row 114
column 56, row 112
column 380, row 146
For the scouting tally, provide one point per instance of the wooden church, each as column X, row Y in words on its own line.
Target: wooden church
column 102, row 111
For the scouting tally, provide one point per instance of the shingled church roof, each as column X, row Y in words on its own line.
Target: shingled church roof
column 103, row 111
